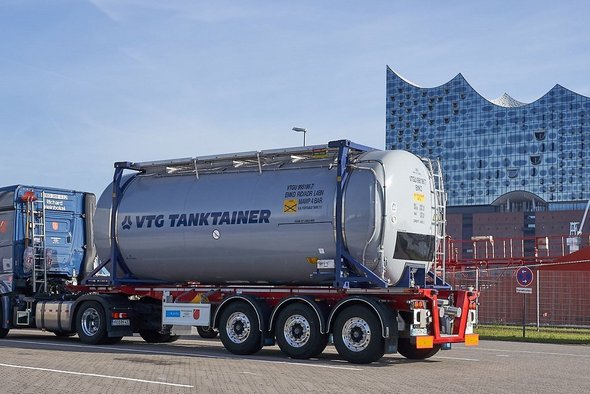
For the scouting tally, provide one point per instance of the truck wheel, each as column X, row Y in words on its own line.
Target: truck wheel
column 207, row 332
column 406, row 349
column 357, row 335
column 155, row 336
column 239, row 329
column 91, row 323
column 3, row 331
column 298, row 332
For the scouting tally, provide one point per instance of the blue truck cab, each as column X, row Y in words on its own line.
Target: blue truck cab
column 45, row 237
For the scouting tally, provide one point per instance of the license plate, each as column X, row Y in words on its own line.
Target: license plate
column 418, row 331
column 120, row 322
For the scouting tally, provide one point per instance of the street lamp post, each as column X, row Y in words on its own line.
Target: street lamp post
column 300, row 130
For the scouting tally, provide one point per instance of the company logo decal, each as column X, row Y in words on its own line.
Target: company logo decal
column 126, row 223
column 254, row 216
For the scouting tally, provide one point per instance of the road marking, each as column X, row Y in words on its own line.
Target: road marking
column 94, row 375
column 457, row 358
column 502, row 355
column 530, row 352
column 159, row 352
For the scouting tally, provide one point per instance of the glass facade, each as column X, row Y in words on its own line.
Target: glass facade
column 489, row 149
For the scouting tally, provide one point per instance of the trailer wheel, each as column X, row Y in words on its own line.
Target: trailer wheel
column 3, row 331
column 298, row 332
column 156, row 336
column 207, row 332
column 239, row 329
column 357, row 335
column 406, row 349
column 91, row 323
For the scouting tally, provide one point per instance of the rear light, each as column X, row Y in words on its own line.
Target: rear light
column 120, row 315
column 417, row 304
column 28, row 196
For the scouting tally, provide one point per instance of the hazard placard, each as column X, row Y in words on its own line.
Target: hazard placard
column 290, row 206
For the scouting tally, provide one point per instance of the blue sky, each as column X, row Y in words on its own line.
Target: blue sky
column 86, row 83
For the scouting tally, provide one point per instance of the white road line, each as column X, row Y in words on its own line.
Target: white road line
column 94, row 375
column 158, row 352
column 457, row 358
column 502, row 355
column 530, row 352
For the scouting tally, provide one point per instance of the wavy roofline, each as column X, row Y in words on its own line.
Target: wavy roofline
column 460, row 76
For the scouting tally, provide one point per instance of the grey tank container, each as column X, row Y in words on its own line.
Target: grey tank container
column 258, row 218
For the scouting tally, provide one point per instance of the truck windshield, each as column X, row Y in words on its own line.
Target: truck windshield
column 410, row 246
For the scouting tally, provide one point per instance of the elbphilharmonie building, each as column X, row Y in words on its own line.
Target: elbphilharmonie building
column 500, row 155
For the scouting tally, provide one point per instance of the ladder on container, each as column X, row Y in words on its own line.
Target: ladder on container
column 439, row 214
column 36, row 236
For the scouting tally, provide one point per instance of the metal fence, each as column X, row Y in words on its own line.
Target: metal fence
column 558, row 297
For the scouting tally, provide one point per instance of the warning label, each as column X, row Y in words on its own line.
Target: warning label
column 419, row 197
column 290, row 206
column 305, row 195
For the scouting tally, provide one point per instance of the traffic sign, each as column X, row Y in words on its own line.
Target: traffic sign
column 524, row 276
column 524, row 290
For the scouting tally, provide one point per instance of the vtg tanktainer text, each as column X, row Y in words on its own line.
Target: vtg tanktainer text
column 288, row 246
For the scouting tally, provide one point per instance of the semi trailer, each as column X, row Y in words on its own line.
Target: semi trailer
column 297, row 247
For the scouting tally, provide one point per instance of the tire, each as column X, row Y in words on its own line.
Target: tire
column 357, row 335
column 155, row 336
column 298, row 332
column 409, row 351
column 3, row 331
column 207, row 332
column 239, row 329
column 91, row 323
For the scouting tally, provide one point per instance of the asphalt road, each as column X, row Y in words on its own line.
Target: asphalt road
column 37, row 362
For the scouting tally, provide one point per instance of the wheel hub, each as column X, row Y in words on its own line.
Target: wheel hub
column 356, row 334
column 238, row 327
column 90, row 322
column 296, row 331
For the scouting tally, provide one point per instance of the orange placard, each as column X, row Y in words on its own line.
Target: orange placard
column 426, row 342
column 471, row 339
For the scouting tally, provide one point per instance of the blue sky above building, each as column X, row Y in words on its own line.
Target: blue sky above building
column 85, row 84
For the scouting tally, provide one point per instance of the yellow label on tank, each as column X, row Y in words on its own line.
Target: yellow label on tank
column 418, row 197
column 290, row 206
